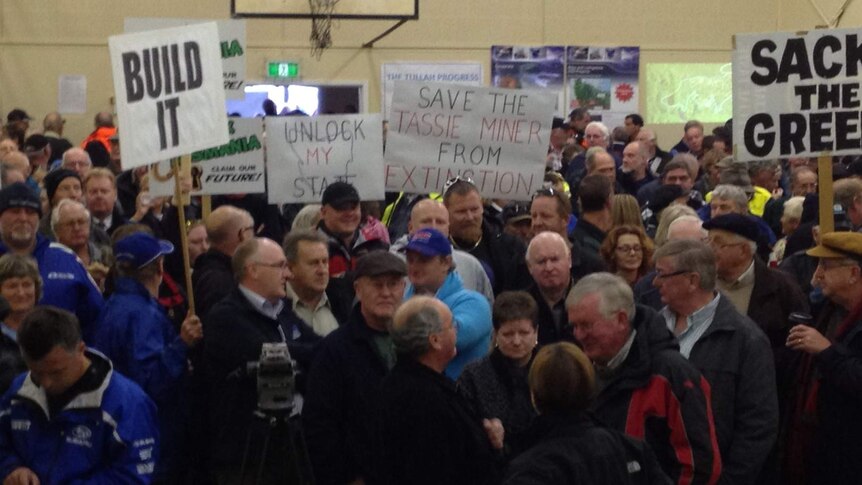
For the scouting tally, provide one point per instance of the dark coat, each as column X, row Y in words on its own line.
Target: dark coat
column 342, row 410
column 234, row 332
column 505, row 257
column 588, row 236
column 11, row 362
column 646, row 293
column 548, row 332
column 212, row 279
column 734, row 356
column 431, row 435
column 658, row 396
column 574, row 450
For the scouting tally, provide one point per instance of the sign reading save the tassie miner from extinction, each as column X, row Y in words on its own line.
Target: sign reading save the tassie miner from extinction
column 306, row 154
column 236, row 167
column 797, row 94
column 495, row 136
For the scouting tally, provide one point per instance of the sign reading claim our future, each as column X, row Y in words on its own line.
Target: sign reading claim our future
column 797, row 94
column 497, row 137
column 169, row 93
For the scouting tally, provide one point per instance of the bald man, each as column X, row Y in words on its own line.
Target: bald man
column 227, row 227
column 429, row 213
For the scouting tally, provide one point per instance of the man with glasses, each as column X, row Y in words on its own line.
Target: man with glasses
column 253, row 313
column 70, row 222
column 227, row 227
column 645, row 387
column 729, row 349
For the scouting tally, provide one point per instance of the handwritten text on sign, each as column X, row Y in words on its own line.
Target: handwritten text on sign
column 305, row 154
column 797, row 95
column 168, row 85
column 497, row 137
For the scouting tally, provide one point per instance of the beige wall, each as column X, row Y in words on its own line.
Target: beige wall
column 42, row 39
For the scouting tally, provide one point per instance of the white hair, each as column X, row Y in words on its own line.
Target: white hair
column 55, row 213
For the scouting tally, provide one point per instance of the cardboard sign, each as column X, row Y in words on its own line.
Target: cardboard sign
column 232, row 45
column 467, row 73
column 236, row 167
column 497, row 137
column 169, row 94
column 305, row 154
column 797, row 95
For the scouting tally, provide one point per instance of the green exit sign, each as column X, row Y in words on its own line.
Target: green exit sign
column 282, row 69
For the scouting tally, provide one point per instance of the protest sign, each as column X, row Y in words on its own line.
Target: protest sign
column 797, row 94
column 497, row 137
column 236, row 167
column 305, row 154
column 467, row 73
column 231, row 44
column 169, row 94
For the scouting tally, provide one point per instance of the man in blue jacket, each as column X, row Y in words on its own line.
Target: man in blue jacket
column 431, row 272
column 66, row 283
column 137, row 335
column 72, row 419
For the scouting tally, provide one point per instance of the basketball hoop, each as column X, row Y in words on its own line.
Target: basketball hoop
column 321, row 24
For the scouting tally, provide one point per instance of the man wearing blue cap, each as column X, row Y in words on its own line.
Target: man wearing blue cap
column 137, row 335
column 66, row 282
column 431, row 272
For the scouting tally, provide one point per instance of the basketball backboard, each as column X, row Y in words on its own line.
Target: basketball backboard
column 344, row 9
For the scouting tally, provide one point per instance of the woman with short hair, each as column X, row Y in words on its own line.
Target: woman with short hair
column 21, row 287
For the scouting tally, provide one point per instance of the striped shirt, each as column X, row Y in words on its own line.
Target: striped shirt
column 696, row 324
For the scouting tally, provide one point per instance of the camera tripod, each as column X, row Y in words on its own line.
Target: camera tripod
column 283, row 457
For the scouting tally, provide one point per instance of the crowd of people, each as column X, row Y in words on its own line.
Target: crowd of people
column 649, row 316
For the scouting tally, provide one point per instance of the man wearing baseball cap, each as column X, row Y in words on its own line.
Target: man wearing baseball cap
column 431, row 272
column 339, row 222
column 66, row 282
column 139, row 338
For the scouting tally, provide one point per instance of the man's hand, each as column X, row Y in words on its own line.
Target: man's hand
column 21, row 476
column 807, row 339
column 494, row 429
column 191, row 330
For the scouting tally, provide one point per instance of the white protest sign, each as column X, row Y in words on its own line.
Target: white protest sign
column 236, row 167
column 232, row 45
column 797, row 95
column 305, row 154
column 465, row 73
column 497, row 137
column 169, row 94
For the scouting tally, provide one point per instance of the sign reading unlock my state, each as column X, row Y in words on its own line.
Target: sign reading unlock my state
column 169, row 92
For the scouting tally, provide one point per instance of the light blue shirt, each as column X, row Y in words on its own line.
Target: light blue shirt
column 696, row 324
column 261, row 304
column 9, row 332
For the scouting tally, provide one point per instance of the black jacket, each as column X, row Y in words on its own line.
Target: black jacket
column 506, row 258
column 574, row 450
column 234, row 332
column 431, row 435
column 11, row 362
column 658, row 396
column 212, row 279
column 342, row 410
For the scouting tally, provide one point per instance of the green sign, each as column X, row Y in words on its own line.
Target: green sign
column 282, row 69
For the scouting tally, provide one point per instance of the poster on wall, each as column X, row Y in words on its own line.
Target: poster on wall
column 530, row 67
column 236, row 167
column 306, row 154
column 604, row 80
column 496, row 137
column 468, row 73
column 231, row 44
column 168, row 113
column 797, row 95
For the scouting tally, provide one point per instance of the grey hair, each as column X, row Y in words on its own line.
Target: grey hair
column 694, row 256
column 733, row 193
column 614, row 294
column 590, row 157
column 602, row 127
column 410, row 332
column 757, row 166
column 667, row 216
column 793, row 208
column 683, row 219
column 55, row 213
column 74, row 150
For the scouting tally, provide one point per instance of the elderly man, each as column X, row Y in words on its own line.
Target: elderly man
column 431, row 434
column 824, row 441
column 596, row 135
column 680, row 170
column 430, row 271
column 595, row 196
column 429, row 213
column 60, row 184
column 66, row 283
column 848, row 193
column 70, row 222
column 53, row 125
column 501, row 254
column 692, row 140
column 646, row 388
column 72, row 418
column 656, row 157
column 579, row 118
column 78, row 161
column 100, row 191
column 635, row 173
column 803, row 181
column 729, row 349
column 308, row 284
column 212, row 279
column 39, row 153
column 253, row 313
column 341, row 415
column 686, row 227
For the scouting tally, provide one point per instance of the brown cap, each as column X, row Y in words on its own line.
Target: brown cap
column 378, row 263
column 838, row 245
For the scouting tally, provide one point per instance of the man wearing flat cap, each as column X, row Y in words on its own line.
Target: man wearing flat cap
column 66, row 282
column 831, row 372
column 341, row 416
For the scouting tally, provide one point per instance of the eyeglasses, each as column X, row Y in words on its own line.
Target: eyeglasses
column 280, row 265
column 76, row 223
column 454, row 180
column 629, row 249
column 660, row 276
column 545, row 192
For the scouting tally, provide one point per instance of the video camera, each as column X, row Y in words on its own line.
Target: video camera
column 276, row 378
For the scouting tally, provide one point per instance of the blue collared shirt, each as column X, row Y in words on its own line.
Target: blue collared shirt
column 268, row 309
column 696, row 324
column 9, row 332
